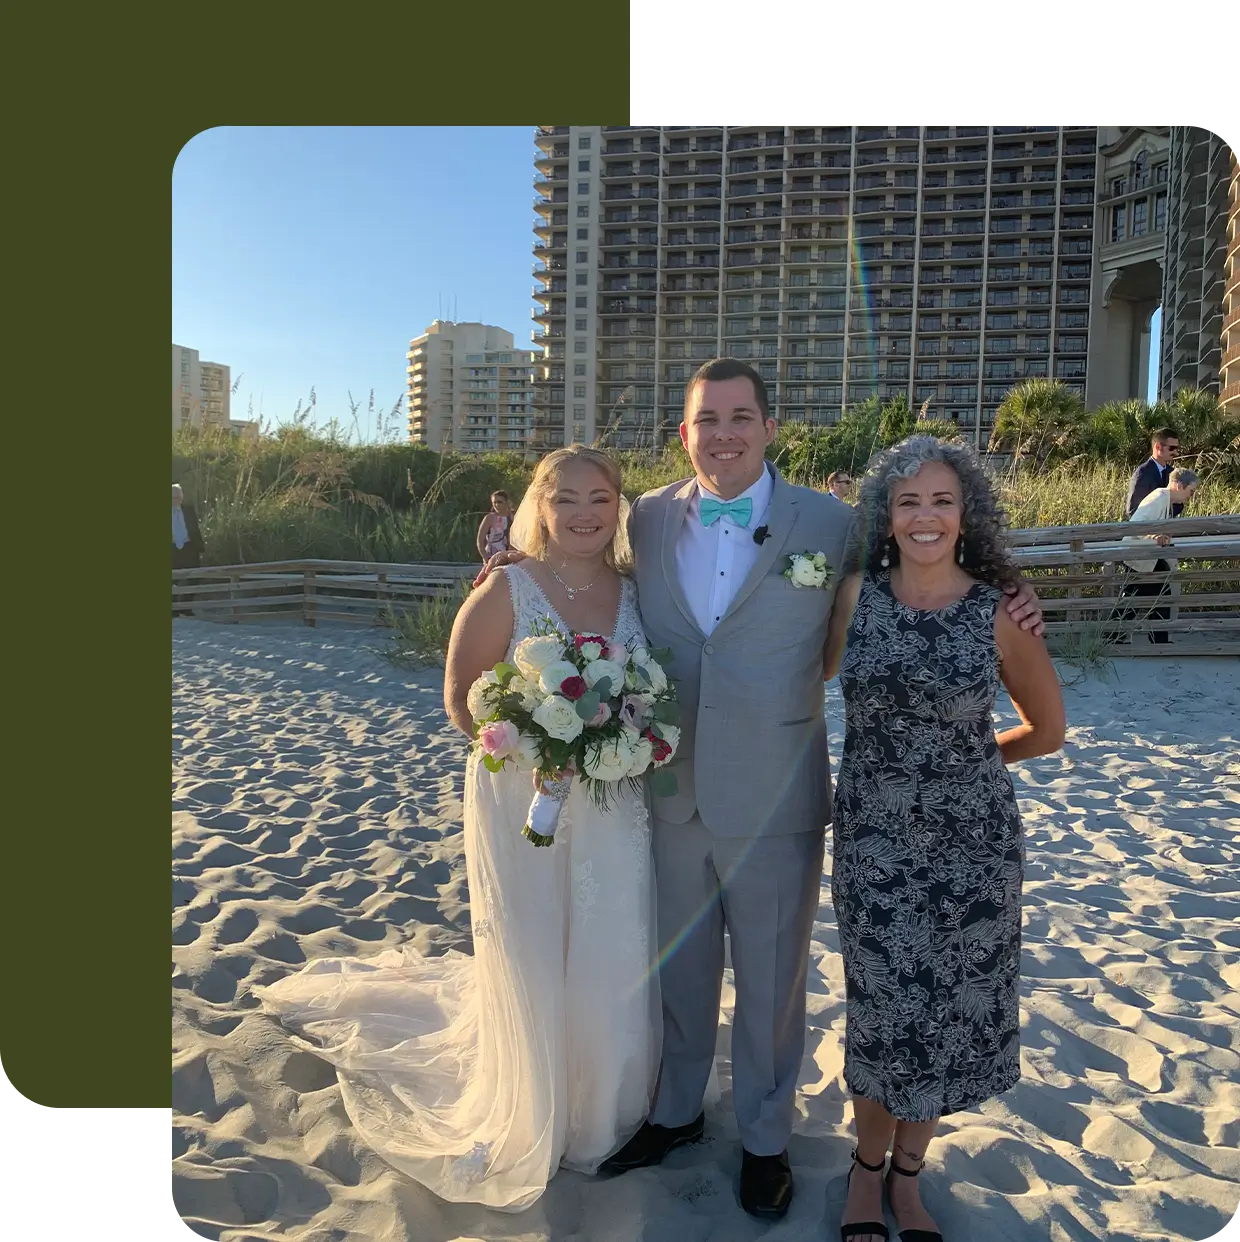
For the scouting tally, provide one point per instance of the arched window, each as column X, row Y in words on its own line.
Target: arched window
column 1141, row 170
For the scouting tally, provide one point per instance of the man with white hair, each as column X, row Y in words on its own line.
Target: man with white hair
column 1159, row 505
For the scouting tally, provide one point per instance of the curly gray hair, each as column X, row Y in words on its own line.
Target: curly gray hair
column 986, row 555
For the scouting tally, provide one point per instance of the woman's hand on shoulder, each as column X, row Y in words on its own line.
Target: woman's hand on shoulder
column 508, row 557
column 1022, row 606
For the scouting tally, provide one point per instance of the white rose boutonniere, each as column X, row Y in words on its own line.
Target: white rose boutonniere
column 808, row 569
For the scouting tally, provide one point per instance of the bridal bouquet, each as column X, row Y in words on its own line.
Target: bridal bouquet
column 576, row 707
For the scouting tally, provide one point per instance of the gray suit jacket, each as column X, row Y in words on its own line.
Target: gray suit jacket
column 752, row 759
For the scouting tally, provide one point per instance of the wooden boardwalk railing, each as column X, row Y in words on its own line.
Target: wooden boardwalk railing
column 1077, row 571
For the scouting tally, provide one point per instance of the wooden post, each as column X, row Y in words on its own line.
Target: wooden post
column 232, row 595
column 307, row 598
column 1075, row 545
column 381, row 595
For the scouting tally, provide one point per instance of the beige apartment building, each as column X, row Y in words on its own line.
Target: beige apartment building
column 942, row 263
column 1229, row 378
column 470, row 389
column 201, row 391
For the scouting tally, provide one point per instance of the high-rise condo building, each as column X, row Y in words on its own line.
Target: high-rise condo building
column 1229, row 380
column 941, row 263
column 470, row 389
column 201, row 391
column 1195, row 281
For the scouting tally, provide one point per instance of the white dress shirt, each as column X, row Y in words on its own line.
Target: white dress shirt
column 713, row 561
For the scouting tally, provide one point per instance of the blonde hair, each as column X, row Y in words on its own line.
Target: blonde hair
column 529, row 531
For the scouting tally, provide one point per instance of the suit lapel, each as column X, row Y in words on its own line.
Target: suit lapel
column 780, row 518
column 673, row 520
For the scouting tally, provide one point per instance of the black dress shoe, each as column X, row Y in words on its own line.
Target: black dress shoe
column 766, row 1185
column 651, row 1143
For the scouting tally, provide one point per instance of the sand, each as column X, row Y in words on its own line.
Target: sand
column 317, row 807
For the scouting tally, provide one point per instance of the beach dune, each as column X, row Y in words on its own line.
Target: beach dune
column 317, row 811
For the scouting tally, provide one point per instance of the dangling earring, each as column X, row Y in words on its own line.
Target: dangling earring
column 960, row 550
column 886, row 561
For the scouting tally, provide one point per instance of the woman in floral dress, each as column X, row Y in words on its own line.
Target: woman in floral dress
column 928, row 852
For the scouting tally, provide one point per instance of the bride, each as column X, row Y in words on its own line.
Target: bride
column 479, row 1076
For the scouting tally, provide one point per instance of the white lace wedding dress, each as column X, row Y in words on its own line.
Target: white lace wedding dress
column 479, row 1076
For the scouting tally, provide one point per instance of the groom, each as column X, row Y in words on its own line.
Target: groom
column 739, row 845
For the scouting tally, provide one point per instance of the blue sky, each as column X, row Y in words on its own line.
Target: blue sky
column 1155, row 337
column 312, row 256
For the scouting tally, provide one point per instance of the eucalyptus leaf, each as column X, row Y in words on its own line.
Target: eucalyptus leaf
column 663, row 783
column 587, row 705
column 667, row 711
column 505, row 673
column 492, row 764
column 602, row 688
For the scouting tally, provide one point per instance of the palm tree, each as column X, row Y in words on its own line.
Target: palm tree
column 1120, row 430
column 1038, row 418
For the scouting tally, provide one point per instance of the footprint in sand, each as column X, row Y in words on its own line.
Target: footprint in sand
column 303, row 1072
column 234, row 926
column 311, row 919
column 280, row 948
column 217, row 985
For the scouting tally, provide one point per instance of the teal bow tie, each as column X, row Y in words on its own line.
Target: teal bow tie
column 740, row 510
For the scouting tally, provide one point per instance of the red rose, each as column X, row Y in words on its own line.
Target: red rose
column 573, row 687
column 580, row 640
column 660, row 749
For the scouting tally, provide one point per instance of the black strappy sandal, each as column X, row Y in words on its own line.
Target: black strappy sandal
column 860, row 1228
column 913, row 1235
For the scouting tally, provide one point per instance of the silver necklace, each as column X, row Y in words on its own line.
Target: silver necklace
column 571, row 591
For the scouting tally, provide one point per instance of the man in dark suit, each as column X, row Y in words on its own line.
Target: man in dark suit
column 1154, row 473
column 187, row 544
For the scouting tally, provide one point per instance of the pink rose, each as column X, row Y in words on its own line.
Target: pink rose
column 499, row 739
column 601, row 717
column 617, row 653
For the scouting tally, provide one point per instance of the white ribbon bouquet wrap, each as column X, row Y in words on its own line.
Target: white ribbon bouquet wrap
column 576, row 707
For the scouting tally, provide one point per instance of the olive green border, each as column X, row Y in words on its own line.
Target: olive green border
column 117, row 98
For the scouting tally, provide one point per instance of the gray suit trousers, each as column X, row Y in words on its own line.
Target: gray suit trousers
column 765, row 891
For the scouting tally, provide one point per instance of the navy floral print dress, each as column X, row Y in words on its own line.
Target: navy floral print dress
column 927, row 860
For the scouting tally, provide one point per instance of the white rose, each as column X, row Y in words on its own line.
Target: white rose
column 475, row 700
column 591, row 651
column 671, row 735
column 610, row 760
column 643, row 751
column 550, row 678
column 533, row 654
column 559, row 718
column 804, row 573
column 525, row 757
column 644, row 660
column 598, row 669
column 530, row 694
column 658, row 678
